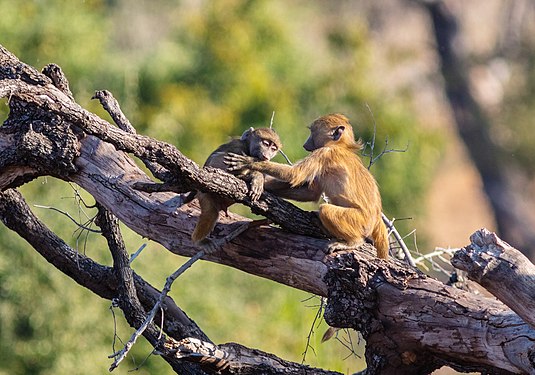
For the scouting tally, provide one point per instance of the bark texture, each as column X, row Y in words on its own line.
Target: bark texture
column 412, row 323
column 502, row 270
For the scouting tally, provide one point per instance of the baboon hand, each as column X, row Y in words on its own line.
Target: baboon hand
column 256, row 190
column 237, row 162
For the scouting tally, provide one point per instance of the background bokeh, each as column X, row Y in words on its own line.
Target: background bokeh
column 194, row 73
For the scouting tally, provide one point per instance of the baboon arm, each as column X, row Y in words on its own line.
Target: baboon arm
column 303, row 193
column 279, row 171
column 304, row 171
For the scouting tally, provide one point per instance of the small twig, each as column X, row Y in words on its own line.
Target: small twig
column 311, row 331
column 115, row 336
column 80, row 204
column 285, row 157
column 412, row 232
column 390, row 225
column 373, row 160
column 162, row 318
column 138, row 367
column 136, row 254
column 431, row 258
column 78, row 197
column 415, row 243
column 79, row 233
column 69, row 216
column 438, row 251
column 348, row 344
column 120, row 355
column 371, row 145
column 280, row 151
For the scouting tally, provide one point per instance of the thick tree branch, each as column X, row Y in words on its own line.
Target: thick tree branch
column 103, row 281
column 108, row 175
column 502, row 270
column 413, row 323
column 51, row 100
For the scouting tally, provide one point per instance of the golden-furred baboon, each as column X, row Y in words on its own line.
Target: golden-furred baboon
column 353, row 211
column 260, row 145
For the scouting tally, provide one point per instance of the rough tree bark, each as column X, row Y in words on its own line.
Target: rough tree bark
column 502, row 270
column 412, row 323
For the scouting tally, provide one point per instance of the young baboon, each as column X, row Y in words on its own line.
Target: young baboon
column 353, row 211
column 260, row 145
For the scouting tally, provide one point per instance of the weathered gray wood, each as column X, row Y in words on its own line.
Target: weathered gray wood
column 414, row 323
column 54, row 103
column 502, row 270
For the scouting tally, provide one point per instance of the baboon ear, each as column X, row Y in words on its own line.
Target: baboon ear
column 337, row 133
column 246, row 134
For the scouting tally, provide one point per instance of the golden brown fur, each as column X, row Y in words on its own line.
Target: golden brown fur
column 353, row 211
column 259, row 144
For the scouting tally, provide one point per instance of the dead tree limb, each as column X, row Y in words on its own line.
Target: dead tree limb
column 127, row 298
column 412, row 323
column 104, row 281
column 502, row 270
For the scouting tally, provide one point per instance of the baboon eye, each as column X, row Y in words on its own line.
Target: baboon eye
column 266, row 143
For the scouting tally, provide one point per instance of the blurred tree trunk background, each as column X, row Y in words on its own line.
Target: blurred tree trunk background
column 505, row 182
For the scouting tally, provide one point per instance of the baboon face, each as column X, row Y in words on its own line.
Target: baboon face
column 263, row 144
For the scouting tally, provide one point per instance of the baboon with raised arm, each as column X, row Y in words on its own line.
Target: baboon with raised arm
column 353, row 211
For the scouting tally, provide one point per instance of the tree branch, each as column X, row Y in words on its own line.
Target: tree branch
column 502, row 270
column 103, row 281
column 127, row 297
column 54, row 102
column 110, row 104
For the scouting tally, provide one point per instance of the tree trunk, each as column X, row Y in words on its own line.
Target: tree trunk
column 412, row 323
column 515, row 222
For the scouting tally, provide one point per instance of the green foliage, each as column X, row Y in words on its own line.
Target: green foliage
column 208, row 71
column 221, row 85
column 70, row 33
